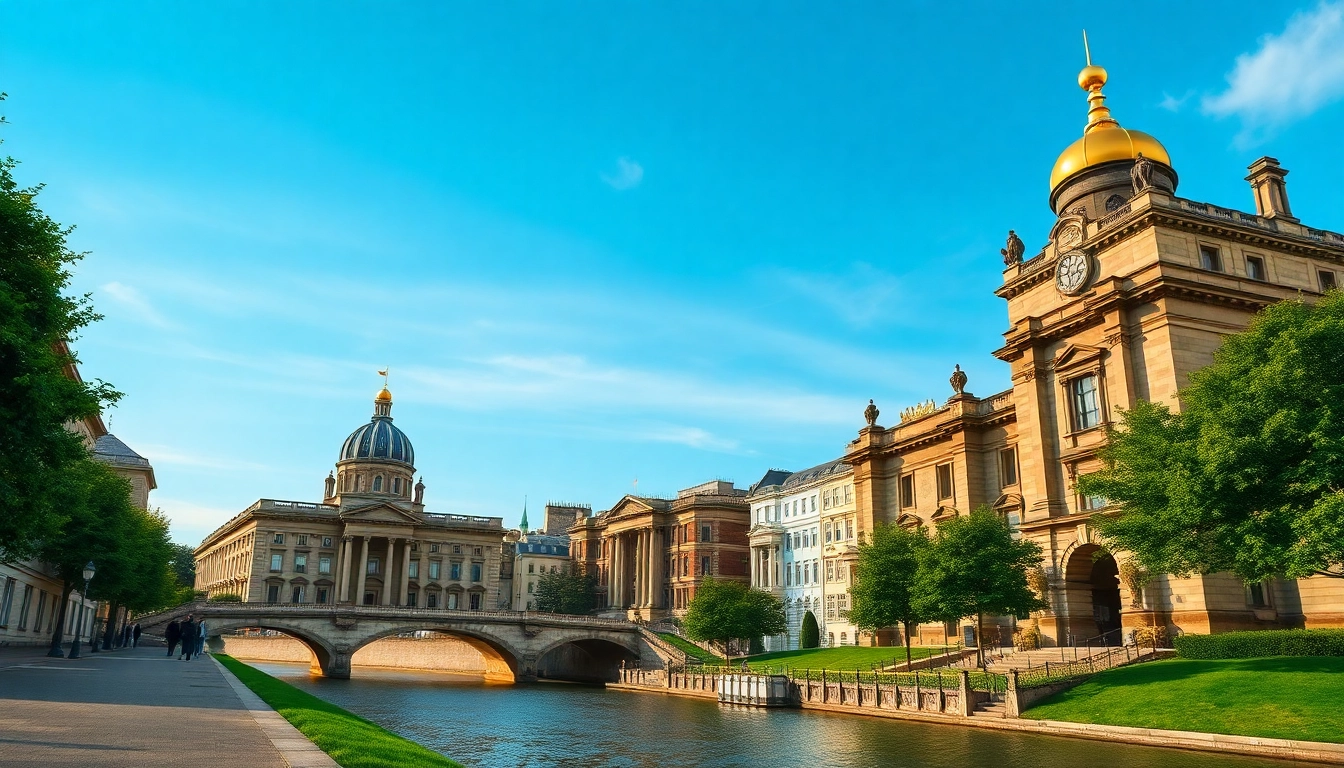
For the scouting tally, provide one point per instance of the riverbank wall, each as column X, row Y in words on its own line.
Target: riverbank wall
column 437, row 654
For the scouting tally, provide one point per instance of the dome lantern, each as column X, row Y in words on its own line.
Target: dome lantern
column 379, row 440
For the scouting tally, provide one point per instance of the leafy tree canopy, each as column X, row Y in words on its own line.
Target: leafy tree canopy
column 886, row 581
column 1249, row 476
column 730, row 610
column 183, row 563
column 564, row 592
column 37, row 399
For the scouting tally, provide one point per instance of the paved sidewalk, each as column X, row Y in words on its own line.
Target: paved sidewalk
column 130, row 707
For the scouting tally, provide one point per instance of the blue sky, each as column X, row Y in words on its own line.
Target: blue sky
column 594, row 241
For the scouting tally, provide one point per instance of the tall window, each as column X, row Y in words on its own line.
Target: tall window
column 373, row 566
column 303, row 540
column 706, row 532
column 322, row 595
column 434, row 569
column 413, row 569
column 5, row 601
column 377, row 483
column 323, row 566
column 475, row 571
column 273, row 593
column 475, row 601
column 1210, row 258
column 432, row 601
column 277, row 561
column 1084, row 403
column 704, row 565
column 300, row 563
column 908, row 490
column 396, row 485
column 944, row 481
column 455, row 572
column 1007, row 467
column 1255, row 268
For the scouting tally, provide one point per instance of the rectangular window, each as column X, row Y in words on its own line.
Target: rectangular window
column 296, row 596
column 475, row 571
column 24, row 606
column 413, row 569
column 432, row 600
column 326, row 541
column 704, row 565
column 273, row 593
column 434, row 566
column 1007, row 467
column 5, row 600
column 531, row 567
column 410, row 600
column 477, row 551
column 457, row 549
column 1255, row 596
column 1091, row 502
column 1255, row 268
column 1084, row 403
column 706, row 532
column 475, row 601
column 324, row 564
column 322, row 595
column 798, row 573
column 303, row 539
column 373, row 566
column 300, row 563
column 1327, row 280
column 830, row 570
column 849, row 493
column 849, row 529
column 814, row 503
column 908, row 490
column 814, row 537
column 277, row 561
column 944, row 481
column 433, row 548
column 1210, row 258
column 279, row 538
column 41, row 609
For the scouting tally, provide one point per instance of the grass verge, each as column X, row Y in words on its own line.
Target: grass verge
column 1278, row 697
column 691, row 650
column 846, row 658
column 351, row 740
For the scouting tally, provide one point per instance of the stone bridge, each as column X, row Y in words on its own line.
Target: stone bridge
column 517, row 646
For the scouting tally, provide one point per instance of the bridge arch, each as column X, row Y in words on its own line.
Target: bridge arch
column 587, row 657
column 326, row 656
column 502, row 660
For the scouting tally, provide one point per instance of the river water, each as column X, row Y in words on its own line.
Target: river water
column 545, row 725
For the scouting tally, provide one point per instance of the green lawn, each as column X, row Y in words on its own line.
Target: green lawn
column 845, row 657
column 351, row 740
column 1283, row 697
column 692, row 650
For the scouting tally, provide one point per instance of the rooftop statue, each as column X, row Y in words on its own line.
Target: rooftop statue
column 1013, row 253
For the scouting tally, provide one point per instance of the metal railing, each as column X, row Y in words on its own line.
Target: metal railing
column 208, row 608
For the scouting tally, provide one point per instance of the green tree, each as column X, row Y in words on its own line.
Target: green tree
column 38, row 400
column 809, row 634
column 183, row 561
column 886, row 581
column 722, row 611
column 565, row 592
column 1249, row 476
column 973, row 566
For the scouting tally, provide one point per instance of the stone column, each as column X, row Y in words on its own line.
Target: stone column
column 655, row 568
column 640, row 548
column 362, row 578
column 405, row 573
column 616, row 571
column 389, row 571
column 343, row 570
column 424, row 580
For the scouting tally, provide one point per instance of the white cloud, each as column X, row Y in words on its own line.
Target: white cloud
column 163, row 454
column 190, row 522
column 132, row 300
column 1174, row 103
column 1292, row 75
column 628, row 175
column 860, row 296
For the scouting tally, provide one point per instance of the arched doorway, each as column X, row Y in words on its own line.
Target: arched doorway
column 1092, row 592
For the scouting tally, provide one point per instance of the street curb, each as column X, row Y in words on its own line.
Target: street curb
column 293, row 746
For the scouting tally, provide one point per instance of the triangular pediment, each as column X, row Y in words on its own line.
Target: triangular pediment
column 378, row 513
column 1076, row 354
column 629, row 506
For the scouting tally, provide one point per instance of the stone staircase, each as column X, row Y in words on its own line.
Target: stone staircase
column 1034, row 659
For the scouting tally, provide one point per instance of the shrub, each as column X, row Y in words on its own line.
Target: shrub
column 810, row 634
column 1148, row 636
column 1245, row 645
column 1027, row 638
column 226, row 598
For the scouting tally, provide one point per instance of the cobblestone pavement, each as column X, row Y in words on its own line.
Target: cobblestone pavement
column 130, row 707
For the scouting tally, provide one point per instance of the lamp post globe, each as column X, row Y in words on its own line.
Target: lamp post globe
column 79, row 623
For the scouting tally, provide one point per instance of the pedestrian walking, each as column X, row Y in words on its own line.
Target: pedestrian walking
column 172, row 634
column 125, row 635
column 200, row 637
column 188, row 628
column 135, row 635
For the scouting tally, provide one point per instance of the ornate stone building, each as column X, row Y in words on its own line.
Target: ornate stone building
column 650, row 553
column 1132, row 292
column 370, row 541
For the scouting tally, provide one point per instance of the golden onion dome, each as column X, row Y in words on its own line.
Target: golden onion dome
column 1103, row 139
column 385, row 396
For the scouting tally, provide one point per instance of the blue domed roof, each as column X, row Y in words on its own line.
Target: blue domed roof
column 379, row 439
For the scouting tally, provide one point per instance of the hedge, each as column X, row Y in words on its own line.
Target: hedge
column 1277, row 642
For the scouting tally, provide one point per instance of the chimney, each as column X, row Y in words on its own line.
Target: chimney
column 1271, row 194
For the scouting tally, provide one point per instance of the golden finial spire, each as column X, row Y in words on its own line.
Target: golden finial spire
column 1091, row 79
column 385, row 395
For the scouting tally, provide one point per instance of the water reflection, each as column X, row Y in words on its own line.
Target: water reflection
column 497, row 726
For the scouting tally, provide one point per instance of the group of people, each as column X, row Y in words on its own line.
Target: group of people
column 130, row 635
column 189, row 633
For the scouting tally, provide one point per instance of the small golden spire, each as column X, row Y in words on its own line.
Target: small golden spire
column 385, row 396
column 1091, row 79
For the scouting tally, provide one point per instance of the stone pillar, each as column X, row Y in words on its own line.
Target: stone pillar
column 405, row 573
column 617, row 577
column 362, row 578
column 641, row 564
column 655, row 568
column 389, row 571
column 343, row 571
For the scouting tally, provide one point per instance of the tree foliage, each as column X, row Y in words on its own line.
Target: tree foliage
column 183, row 562
column 565, row 592
column 38, row 400
column 973, row 566
column 722, row 611
column 809, row 633
column 886, row 581
column 1249, row 476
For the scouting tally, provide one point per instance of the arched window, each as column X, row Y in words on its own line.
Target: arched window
column 377, row 483
column 396, row 485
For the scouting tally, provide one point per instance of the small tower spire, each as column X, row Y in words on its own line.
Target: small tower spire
column 1091, row 79
column 382, row 403
column 522, row 526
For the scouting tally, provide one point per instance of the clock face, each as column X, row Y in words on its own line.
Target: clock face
column 1071, row 272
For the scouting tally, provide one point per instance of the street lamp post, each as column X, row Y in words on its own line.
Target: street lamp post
column 79, row 623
